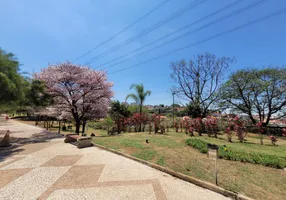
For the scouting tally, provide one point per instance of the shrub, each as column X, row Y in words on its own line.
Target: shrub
column 284, row 132
column 198, row 144
column 238, row 155
column 198, row 125
column 96, row 125
column 211, row 125
column 228, row 133
column 273, row 139
column 239, row 127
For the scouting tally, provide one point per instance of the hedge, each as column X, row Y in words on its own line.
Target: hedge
column 238, row 155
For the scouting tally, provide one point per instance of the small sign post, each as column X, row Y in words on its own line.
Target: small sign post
column 213, row 154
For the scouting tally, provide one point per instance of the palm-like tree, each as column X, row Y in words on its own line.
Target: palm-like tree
column 139, row 96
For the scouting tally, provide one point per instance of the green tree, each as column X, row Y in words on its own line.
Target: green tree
column 139, row 96
column 118, row 112
column 37, row 95
column 259, row 92
column 161, row 108
column 135, row 108
column 193, row 110
column 12, row 83
column 108, row 122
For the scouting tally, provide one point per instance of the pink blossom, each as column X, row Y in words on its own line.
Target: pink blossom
column 78, row 90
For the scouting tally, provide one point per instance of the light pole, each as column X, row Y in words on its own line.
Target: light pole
column 173, row 93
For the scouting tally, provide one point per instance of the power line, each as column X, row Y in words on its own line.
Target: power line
column 124, row 29
column 145, row 31
column 276, row 13
column 247, row 7
column 170, row 34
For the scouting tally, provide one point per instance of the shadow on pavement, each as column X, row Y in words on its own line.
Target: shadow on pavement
column 17, row 143
column 8, row 151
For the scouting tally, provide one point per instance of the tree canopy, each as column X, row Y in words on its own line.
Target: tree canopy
column 12, row 83
column 139, row 96
column 257, row 92
column 80, row 91
column 117, row 112
column 199, row 80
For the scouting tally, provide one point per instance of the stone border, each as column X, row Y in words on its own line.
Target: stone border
column 181, row 176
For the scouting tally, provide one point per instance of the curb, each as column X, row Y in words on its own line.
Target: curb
column 181, row 176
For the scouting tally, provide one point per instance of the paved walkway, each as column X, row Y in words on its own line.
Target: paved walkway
column 55, row 170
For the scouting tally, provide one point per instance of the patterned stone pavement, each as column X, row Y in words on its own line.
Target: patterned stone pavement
column 55, row 170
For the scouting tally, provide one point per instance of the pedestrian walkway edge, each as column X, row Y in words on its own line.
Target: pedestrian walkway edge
column 181, row 176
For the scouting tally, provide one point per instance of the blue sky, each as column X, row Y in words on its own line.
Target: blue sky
column 43, row 32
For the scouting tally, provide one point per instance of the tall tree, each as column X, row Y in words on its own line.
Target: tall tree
column 37, row 96
column 78, row 90
column 118, row 112
column 12, row 83
column 257, row 92
column 199, row 80
column 139, row 96
column 161, row 108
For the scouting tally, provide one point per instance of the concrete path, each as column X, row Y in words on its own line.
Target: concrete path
column 55, row 170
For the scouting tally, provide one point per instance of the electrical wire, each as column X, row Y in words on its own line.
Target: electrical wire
column 169, row 34
column 247, row 7
column 148, row 30
column 124, row 29
column 248, row 24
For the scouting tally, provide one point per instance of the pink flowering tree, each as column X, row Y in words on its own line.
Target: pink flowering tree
column 239, row 127
column 284, row 132
column 78, row 90
column 156, row 121
column 198, row 125
column 211, row 125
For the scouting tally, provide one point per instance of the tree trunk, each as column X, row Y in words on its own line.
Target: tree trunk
column 59, row 127
column 252, row 119
column 204, row 114
column 118, row 127
column 83, row 126
column 140, row 116
column 77, row 127
column 37, row 119
column 261, row 139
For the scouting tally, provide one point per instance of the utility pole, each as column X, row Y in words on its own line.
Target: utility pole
column 173, row 93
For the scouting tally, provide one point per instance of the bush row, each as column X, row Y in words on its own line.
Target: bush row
column 238, row 155
column 97, row 125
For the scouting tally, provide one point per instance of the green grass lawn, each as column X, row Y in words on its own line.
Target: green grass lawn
column 171, row 151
